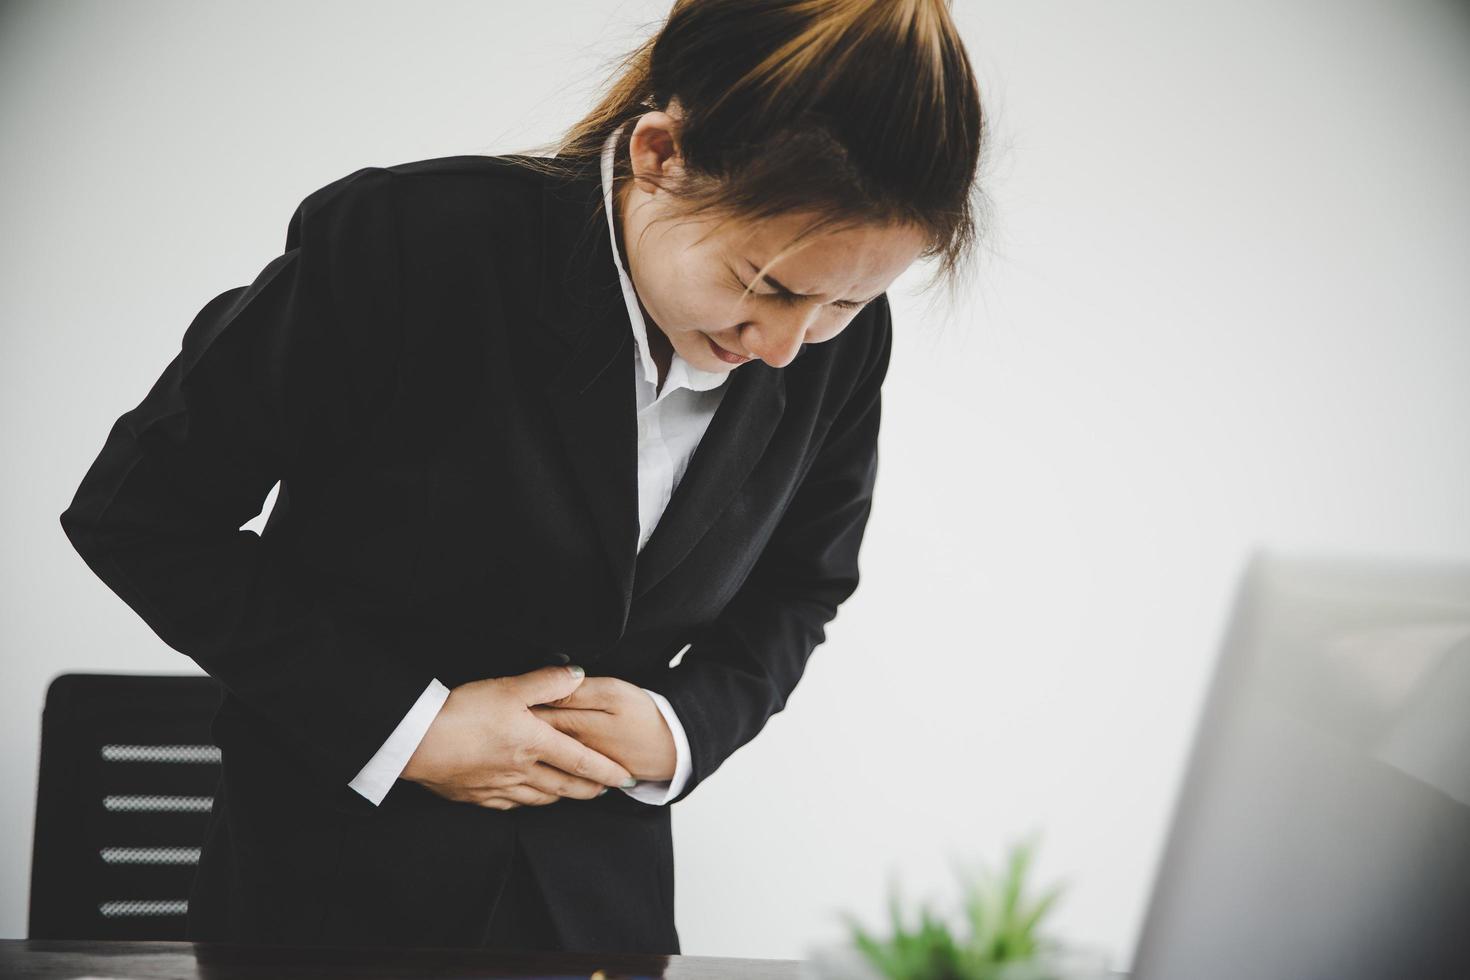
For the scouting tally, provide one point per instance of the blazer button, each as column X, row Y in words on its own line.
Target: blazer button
column 557, row 658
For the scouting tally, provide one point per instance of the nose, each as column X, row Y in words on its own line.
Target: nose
column 777, row 338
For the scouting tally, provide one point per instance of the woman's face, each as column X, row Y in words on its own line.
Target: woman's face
column 690, row 290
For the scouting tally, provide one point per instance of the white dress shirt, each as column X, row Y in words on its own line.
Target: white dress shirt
column 671, row 421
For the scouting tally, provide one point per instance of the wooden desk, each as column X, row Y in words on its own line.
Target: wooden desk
column 42, row 959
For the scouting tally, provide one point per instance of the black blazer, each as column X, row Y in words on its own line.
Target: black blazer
column 438, row 370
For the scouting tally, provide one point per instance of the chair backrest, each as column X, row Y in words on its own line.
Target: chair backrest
column 128, row 776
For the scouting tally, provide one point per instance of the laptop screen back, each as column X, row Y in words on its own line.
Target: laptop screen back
column 1323, row 829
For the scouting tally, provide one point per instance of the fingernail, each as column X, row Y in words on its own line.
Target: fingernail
column 577, row 671
column 602, row 791
column 630, row 782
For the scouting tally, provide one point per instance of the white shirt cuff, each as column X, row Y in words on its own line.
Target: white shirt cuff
column 659, row 792
column 383, row 769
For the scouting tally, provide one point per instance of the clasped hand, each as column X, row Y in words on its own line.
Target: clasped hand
column 534, row 738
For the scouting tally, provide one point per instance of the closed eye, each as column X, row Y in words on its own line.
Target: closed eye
column 791, row 299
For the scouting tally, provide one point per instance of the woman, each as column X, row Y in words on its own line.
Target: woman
column 481, row 383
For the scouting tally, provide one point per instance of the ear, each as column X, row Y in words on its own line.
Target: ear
column 653, row 149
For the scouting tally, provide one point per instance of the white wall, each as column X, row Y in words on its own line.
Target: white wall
column 1225, row 303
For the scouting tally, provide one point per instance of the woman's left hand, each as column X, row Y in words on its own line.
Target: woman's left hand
column 618, row 719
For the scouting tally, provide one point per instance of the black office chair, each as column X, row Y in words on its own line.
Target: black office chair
column 128, row 776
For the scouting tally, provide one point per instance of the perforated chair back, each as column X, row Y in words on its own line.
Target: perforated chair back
column 128, row 776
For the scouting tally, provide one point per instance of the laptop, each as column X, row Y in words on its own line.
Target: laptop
column 1322, row 831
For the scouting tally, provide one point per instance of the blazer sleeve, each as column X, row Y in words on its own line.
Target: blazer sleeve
column 739, row 670
column 272, row 379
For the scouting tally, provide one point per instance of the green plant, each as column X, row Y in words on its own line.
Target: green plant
column 1003, row 921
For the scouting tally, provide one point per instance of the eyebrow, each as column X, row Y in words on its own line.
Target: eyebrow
column 791, row 292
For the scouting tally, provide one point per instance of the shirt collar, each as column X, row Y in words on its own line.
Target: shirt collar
column 681, row 374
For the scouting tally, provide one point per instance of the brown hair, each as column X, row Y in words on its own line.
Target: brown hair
column 853, row 111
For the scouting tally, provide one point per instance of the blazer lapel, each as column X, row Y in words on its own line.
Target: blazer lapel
column 591, row 394
column 734, row 442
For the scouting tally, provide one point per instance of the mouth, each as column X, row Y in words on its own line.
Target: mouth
column 729, row 357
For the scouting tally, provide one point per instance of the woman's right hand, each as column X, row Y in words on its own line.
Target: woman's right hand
column 487, row 747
